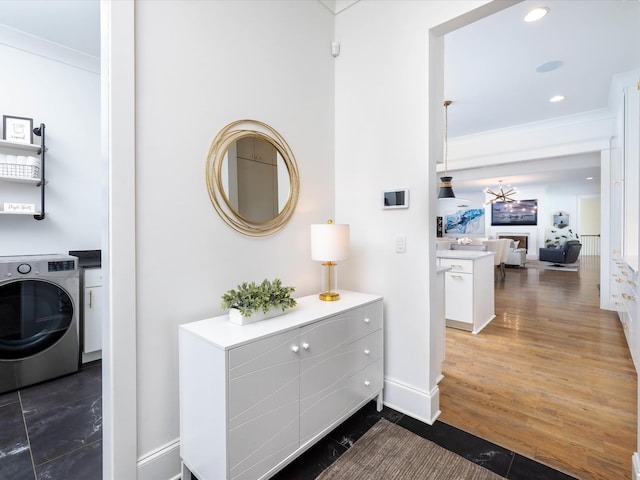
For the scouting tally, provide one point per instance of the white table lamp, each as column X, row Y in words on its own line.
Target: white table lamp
column 329, row 244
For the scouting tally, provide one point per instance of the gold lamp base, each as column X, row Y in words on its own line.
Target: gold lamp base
column 329, row 296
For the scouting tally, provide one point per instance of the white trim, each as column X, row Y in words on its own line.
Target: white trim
column 120, row 440
column 582, row 133
column 635, row 466
column 44, row 48
column 418, row 404
column 161, row 462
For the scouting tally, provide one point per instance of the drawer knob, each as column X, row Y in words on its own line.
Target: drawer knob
column 295, row 349
column 367, row 351
column 367, row 383
column 367, row 320
column 305, row 346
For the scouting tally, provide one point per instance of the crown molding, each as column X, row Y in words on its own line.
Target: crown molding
column 19, row 40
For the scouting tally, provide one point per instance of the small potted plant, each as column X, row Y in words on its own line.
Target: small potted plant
column 251, row 302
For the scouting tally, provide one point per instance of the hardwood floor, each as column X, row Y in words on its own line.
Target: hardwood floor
column 550, row 378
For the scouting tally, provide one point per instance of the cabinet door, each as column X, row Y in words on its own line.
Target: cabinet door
column 92, row 310
column 324, row 374
column 459, row 297
column 263, row 404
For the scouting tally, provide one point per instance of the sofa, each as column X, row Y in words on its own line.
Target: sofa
column 564, row 254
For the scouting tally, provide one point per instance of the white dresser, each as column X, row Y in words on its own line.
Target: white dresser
column 469, row 288
column 254, row 397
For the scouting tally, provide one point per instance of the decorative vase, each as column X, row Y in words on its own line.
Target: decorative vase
column 236, row 317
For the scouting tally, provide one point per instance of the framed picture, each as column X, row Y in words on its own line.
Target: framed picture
column 395, row 198
column 17, row 129
column 467, row 221
column 560, row 219
column 518, row 212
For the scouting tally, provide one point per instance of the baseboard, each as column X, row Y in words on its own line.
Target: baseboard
column 635, row 466
column 421, row 405
column 162, row 463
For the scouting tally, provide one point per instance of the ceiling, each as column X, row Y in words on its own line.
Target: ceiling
column 491, row 79
column 490, row 65
column 71, row 23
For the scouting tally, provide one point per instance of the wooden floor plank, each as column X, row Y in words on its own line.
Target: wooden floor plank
column 550, row 377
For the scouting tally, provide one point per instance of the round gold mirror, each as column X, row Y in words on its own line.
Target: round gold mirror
column 252, row 178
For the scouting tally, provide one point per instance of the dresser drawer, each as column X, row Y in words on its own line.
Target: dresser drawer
column 365, row 351
column 457, row 264
column 364, row 320
column 365, row 383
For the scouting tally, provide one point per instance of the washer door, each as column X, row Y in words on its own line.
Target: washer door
column 34, row 315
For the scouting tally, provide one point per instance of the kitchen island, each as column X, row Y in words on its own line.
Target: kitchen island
column 469, row 288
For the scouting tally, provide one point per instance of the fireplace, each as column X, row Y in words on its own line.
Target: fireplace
column 522, row 238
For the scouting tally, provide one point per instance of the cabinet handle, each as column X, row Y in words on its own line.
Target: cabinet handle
column 456, row 276
column 295, row 349
column 367, row 383
column 305, row 346
column 459, row 267
column 367, row 351
column 367, row 320
column 90, row 298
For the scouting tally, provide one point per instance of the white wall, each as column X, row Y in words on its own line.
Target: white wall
column 199, row 66
column 382, row 141
column 67, row 100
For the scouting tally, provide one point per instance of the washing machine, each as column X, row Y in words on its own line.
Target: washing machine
column 39, row 311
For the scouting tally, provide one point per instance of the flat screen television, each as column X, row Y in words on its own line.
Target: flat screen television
column 518, row 212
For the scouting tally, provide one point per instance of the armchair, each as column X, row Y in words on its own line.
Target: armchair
column 568, row 253
column 517, row 256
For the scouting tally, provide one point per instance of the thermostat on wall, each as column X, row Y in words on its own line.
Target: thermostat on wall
column 395, row 198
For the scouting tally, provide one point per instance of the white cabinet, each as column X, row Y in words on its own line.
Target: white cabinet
column 253, row 397
column 469, row 288
column 625, row 299
column 92, row 314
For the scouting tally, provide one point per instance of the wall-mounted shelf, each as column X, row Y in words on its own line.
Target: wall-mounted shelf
column 28, row 171
column 20, row 147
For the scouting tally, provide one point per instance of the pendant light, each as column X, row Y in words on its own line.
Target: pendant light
column 500, row 195
column 446, row 191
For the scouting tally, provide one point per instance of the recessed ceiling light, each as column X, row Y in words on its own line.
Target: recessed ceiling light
column 549, row 66
column 536, row 14
column 556, row 98
column 589, row 178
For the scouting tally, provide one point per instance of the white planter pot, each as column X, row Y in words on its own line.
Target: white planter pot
column 236, row 317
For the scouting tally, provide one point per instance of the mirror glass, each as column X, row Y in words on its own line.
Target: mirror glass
column 252, row 178
column 255, row 179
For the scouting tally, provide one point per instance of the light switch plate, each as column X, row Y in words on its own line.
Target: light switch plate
column 400, row 243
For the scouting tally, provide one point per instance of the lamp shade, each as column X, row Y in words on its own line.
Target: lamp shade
column 446, row 190
column 329, row 242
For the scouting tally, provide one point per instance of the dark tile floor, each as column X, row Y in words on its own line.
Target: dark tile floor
column 53, row 430
column 497, row 459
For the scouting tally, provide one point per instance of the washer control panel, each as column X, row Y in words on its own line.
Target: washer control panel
column 27, row 266
column 24, row 268
column 61, row 266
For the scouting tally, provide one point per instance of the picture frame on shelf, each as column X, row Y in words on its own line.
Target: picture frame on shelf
column 17, row 129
